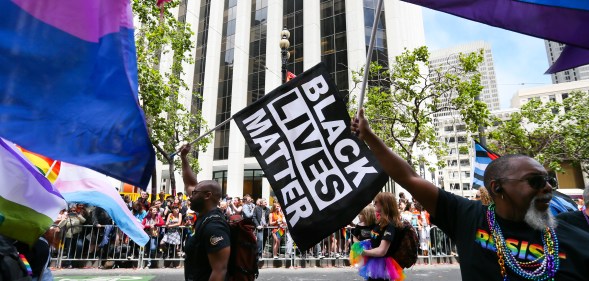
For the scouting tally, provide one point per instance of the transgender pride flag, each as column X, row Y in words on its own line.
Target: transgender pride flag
column 81, row 185
column 68, row 85
column 28, row 202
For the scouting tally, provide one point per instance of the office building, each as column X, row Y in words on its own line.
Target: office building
column 553, row 50
column 451, row 130
column 238, row 60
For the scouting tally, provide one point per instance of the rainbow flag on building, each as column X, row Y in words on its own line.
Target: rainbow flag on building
column 68, row 71
column 29, row 204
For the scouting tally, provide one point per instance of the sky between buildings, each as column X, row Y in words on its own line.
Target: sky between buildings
column 517, row 58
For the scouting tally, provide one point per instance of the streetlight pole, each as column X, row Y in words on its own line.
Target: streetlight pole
column 284, row 44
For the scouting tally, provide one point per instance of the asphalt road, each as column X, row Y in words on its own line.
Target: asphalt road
column 430, row 272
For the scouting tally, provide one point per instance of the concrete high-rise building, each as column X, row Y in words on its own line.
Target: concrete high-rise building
column 456, row 176
column 446, row 59
column 548, row 93
column 238, row 60
column 553, row 50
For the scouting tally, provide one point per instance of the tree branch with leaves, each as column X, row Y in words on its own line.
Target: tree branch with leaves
column 402, row 100
column 169, row 122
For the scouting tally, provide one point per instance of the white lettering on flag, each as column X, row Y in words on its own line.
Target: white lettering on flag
column 294, row 135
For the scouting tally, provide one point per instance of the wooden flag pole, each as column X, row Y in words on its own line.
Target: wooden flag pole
column 369, row 55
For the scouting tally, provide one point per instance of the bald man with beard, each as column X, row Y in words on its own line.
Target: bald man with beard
column 208, row 250
column 514, row 238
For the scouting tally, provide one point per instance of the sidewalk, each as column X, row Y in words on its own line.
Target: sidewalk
column 155, row 271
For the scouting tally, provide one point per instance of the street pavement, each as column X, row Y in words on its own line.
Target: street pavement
column 420, row 273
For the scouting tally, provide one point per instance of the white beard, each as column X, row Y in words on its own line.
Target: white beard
column 539, row 220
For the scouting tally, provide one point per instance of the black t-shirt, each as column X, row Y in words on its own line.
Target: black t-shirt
column 386, row 233
column 212, row 238
column 362, row 232
column 465, row 222
column 37, row 256
column 576, row 219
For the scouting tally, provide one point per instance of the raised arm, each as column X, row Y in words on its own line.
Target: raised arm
column 188, row 175
column 396, row 167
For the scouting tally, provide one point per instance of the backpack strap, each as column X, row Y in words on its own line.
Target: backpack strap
column 206, row 221
column 400, row 233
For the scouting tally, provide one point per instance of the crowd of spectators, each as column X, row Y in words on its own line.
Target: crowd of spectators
column 169, row 222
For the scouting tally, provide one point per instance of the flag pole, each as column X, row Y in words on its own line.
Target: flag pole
column 204, row 135
column 369, row 55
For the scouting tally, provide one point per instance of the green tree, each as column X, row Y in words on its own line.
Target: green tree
column 552, row 132
column 168, row 121
column 401, row 101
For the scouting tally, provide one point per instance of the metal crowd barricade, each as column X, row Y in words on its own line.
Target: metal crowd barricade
column 108, row 246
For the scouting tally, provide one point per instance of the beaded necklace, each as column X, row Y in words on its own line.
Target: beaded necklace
column 542, row 268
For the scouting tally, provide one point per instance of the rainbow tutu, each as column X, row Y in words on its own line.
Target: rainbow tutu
column 372, row 267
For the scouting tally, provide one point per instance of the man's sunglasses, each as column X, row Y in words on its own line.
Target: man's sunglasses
column 537, row 181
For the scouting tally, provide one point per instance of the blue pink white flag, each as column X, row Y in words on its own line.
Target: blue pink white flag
column 29, row 204
column 82, row 185
column 68, row 76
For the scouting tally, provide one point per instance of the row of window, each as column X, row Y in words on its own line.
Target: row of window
column 224, row 91
column 463, row 162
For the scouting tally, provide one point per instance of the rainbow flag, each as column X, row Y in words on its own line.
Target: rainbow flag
column 29, row 204
column 46, row 166
column 280, row 233
column 68, row 71
column 82, row 185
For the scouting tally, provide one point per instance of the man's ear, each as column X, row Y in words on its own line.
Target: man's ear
column 496, row 187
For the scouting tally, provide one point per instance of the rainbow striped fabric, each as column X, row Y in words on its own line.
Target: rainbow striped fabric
column 81, row 185
column 46, row 166
column 29, row 204
column 27, row 264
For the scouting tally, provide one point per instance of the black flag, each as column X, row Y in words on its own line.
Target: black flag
column 322, row 175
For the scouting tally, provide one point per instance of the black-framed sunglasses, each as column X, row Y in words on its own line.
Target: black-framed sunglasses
column 536, row 181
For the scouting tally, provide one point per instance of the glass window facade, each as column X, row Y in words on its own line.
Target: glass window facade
column 380, row 44
column 257, row 55
column 252, row 183
column 293, row 21
column 333, row 43
column 225, row 81
column 200, row 61
column 221, row 178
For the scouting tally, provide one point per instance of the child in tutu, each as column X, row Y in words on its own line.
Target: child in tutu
column 374, row 256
